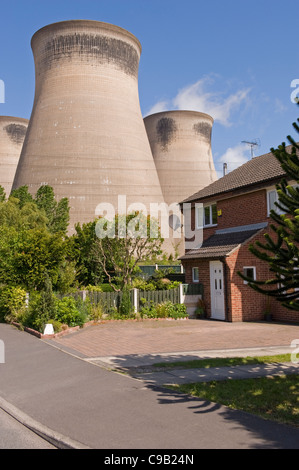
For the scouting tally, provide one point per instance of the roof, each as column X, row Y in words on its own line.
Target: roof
column 220, row 245
column 257, row 170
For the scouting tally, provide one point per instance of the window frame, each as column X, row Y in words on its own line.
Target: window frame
column 202, row 224
column 193, row 277
column 245, row 274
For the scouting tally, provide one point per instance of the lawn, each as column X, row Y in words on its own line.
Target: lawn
column 223, row 362
column 274, row 398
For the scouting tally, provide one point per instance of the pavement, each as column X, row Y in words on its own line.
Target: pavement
column 98, row 388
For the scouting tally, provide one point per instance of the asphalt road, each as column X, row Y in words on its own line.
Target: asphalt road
column 96, row 408
column 14, row 435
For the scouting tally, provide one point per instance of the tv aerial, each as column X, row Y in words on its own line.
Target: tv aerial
column 253, row 144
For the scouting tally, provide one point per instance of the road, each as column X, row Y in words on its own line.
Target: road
column 13, row 435
column 101, row 409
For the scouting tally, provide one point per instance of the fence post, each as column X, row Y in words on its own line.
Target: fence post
column 182, row 297
column 135, row 297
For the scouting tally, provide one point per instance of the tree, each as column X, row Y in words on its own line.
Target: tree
column 57, row 213
column 122, row 243
column 85, row 254
column 27, row 247
column 2, row 194
column 281, row 252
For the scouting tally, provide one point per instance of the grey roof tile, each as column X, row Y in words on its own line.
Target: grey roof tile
column 220, row 245
column 257, row 170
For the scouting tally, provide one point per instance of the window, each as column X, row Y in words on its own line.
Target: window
column 210, row 215
column 272, row 197
column 250, row 272
column 195, row 274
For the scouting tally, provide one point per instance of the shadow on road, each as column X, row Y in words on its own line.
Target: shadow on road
column 271, row 434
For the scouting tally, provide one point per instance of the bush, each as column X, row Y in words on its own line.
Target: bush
column 68, row 312
column 12, row 304
column 42, row 309
column 125, row 307
column 164, row 310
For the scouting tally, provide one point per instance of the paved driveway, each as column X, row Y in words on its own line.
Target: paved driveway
column 124, row 338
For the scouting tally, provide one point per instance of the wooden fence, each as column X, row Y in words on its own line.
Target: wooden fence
column 111, row 300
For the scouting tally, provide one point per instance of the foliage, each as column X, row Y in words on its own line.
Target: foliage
column 68, row 312
column 282, row 252
column 200, row 309
column 28, row 248
column 163, row 310
column 43, row 306
column 12, row 304
column 23, row 195
column 123, row 243
column 125, row 307
column 56, row 213
column 2, row 194
column 85, row 255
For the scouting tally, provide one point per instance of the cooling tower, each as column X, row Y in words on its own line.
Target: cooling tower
column 12, row 135
column 87, row 137
column 181, row 147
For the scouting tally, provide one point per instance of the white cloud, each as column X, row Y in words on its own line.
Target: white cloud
column 158, row 107
column 234, row 157
column 196, row 97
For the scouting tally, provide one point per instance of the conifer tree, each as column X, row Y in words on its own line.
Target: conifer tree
column 281, row 250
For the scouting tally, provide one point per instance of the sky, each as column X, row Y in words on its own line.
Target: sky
column 236, row 60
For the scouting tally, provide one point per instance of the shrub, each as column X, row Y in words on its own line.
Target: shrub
column 42, row 309
column 164, row 310
column 125, row 307
column 12, row 304
column 68, row 312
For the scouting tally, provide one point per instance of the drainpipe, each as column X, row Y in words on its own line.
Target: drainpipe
column 225, row 279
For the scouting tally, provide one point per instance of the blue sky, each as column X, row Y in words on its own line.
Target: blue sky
column 233, row 59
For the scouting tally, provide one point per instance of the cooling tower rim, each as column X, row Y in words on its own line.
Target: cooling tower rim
column 13, row 118
column 180, row 112
column 87, row 23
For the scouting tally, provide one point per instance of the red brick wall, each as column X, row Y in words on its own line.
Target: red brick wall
column 247, row 304
column 204, row 278
column 246, row 209
column 243, row 303
column 250, row 208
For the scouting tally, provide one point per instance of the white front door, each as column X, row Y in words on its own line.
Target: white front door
column 217, row 290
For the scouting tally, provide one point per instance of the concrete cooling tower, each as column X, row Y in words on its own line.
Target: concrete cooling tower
column 12, row 135
column 87, row 137
column 181, row 147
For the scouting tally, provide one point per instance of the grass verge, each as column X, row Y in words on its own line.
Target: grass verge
column 274, row 398
column 223, row 362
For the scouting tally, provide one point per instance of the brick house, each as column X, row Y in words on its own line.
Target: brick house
column 235, row 214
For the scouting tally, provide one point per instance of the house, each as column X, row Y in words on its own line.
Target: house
column 235, row 214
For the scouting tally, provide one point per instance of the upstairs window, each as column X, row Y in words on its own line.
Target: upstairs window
column 210, row 215
column 272, row 197
column 206, row 216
